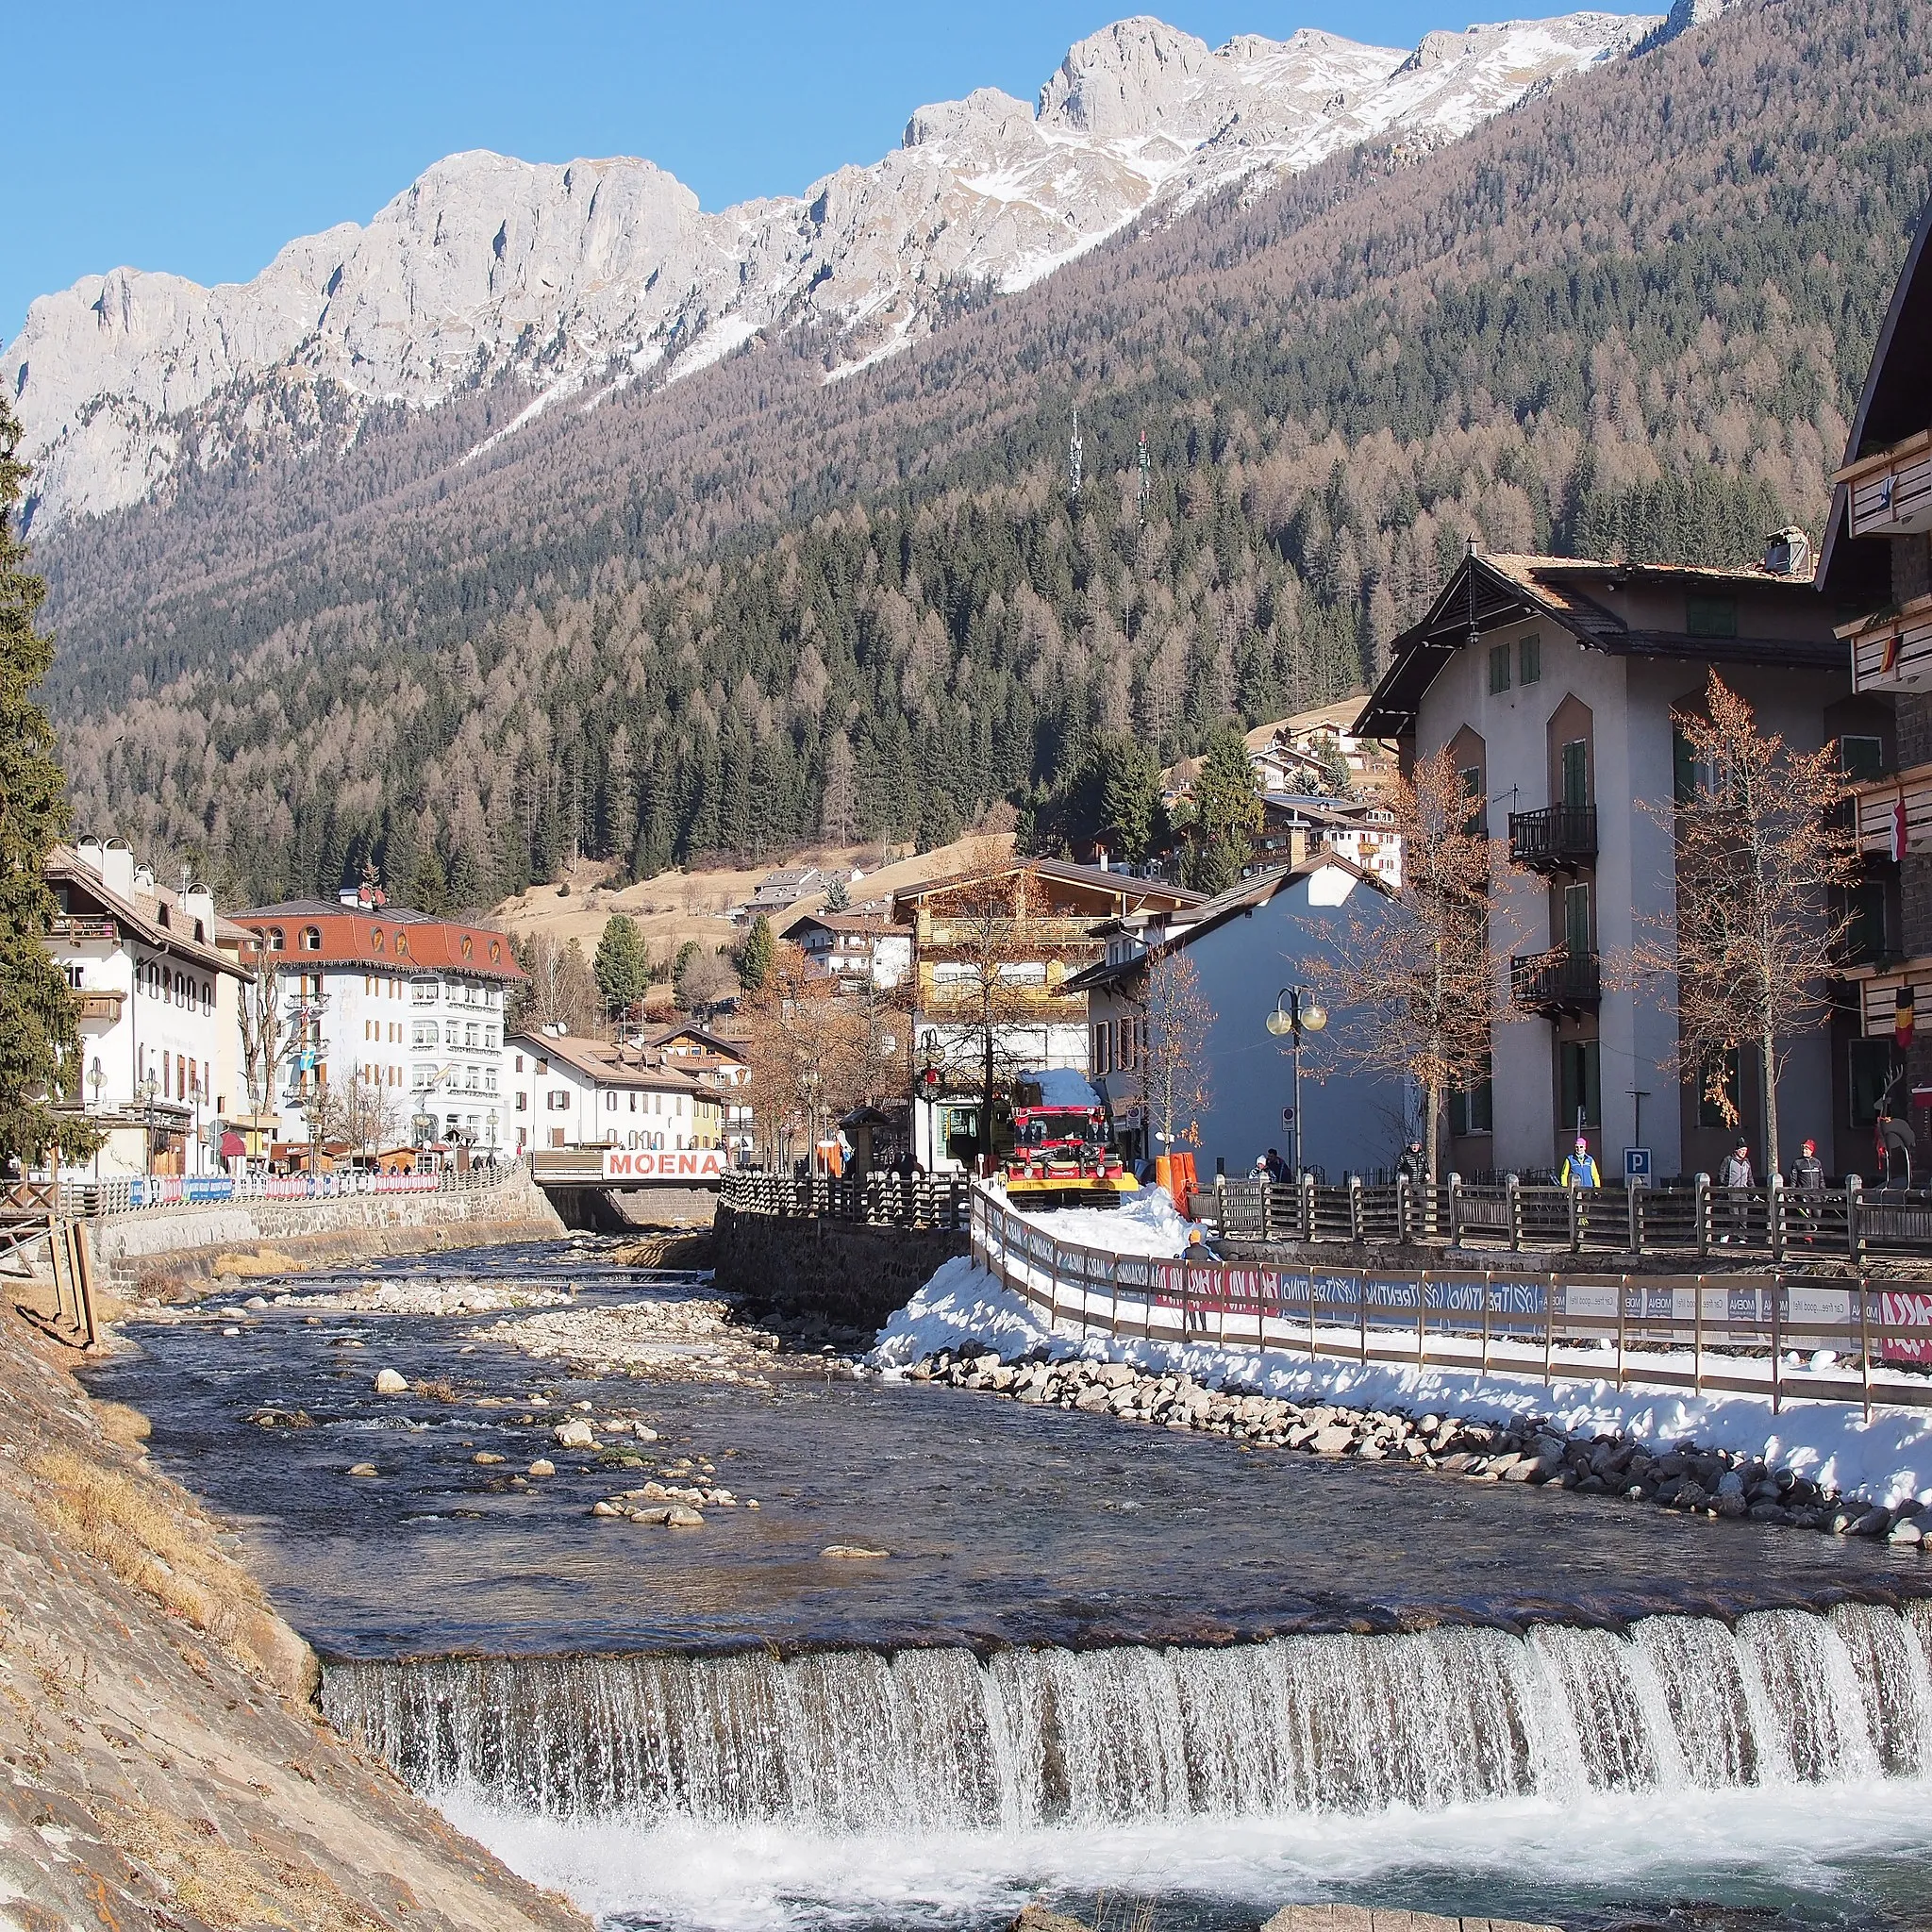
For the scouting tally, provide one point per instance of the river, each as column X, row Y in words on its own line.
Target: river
column 1139, row 1671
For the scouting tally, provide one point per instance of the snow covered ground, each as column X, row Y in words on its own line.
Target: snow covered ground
column 1147, row 1223
column 1888, row 1459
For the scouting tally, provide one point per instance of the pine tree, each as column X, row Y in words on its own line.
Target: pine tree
column 623, row 965
column 838, row 894
column 40, row 1043
column 755, row 957
column 1227, row 813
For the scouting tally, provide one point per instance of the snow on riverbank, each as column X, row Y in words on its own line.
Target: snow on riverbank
column 1146, row 1222
column 1888, row 1459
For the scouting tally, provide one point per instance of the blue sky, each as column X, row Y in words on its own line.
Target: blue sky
column 199, row 138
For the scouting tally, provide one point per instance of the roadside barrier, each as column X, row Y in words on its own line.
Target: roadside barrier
column 1732, row 1334
column 95, row 1200
column 1778, row 1222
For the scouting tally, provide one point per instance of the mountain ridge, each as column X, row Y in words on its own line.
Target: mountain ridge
column 596, row 274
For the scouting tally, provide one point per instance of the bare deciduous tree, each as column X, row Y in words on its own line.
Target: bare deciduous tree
column 562, row 990
column 1169, row 1069
column 264, row 1031
column 1761, row 843
column 803, row 1047
column 1424, row 966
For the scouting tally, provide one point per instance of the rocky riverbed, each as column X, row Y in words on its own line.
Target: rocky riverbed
column 1691, row 1480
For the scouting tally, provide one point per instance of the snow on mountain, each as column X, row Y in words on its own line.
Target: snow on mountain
column 596, row 272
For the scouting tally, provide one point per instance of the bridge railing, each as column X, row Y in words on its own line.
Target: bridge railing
column 1779, row 1223
column 879, row 1200
column 1868, row 1340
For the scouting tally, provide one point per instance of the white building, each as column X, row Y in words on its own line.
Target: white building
column 1557, row 684
column 156, row 979
column 853, row 947
column 407, row 1010
column 714, row 1061
column 570, row 1092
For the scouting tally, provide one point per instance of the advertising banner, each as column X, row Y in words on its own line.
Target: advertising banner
column 686, row 1164
column 1906, row 1308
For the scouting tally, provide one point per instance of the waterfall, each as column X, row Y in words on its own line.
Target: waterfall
column 938, row 1739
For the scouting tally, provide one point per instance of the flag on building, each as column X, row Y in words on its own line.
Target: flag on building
column 1902, row 1016
column 1898, row 828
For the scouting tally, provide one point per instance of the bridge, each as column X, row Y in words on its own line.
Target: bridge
column 616, row 1189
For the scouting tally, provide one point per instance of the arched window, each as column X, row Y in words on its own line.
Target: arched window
column 469, row 946
column 401, row 945
column 311, row 939
column 376, row 939
column 276, row 943
column 495, row 951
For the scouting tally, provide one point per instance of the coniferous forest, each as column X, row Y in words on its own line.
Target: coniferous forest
column 758, row 607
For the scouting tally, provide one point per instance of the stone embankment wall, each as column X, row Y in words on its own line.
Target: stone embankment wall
column 843, row 1271
column 165, row 1766
column 165, row 1250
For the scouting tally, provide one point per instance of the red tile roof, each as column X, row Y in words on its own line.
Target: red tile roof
column 383, row 943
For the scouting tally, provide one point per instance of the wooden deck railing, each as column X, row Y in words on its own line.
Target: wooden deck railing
column 880, row 1200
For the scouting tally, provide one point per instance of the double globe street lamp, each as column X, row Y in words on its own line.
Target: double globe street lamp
column 1296, row 1012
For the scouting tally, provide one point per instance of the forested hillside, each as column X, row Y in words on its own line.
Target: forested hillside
column 1630, row 316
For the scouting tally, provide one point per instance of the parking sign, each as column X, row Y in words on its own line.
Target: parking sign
column 1637, row 1164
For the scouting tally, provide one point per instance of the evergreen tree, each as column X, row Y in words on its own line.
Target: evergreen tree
column 755, row 955
column 838, row 894
column 623, row 965
column 427, row 890
column 40, row 1043
column 1220, row 836
column 1127, row 807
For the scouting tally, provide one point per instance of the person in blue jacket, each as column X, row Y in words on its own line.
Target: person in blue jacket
column 1579, row 1171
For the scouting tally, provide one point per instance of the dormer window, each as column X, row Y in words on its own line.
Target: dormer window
column 376, row 939
column 161, row 913
column 277, row 941
column 311, row 939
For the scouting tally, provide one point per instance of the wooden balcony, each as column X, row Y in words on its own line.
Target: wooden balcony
column 1878, row 806
column 1557, row 984
column 72, row 929
column 1893, row 654
column 1561, row 838
column 98, row 1006
column 1878, row 997
column 1891, row 492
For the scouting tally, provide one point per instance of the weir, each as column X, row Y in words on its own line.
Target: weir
column 940, row 1739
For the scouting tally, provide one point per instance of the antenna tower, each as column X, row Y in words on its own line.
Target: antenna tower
column 1074, row 462
column 1143, row 460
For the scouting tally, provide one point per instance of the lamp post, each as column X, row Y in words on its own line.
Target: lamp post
column 1297, row 1011
column 96, row 1078
column 150, row 1085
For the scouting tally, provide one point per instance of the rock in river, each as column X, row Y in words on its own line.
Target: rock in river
column 389, row 1382
column 855, row 1552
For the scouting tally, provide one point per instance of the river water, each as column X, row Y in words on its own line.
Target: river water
column 1100, row 1664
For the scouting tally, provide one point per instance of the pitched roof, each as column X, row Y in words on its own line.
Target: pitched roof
column 603, row 1064
column 1485, row 593
column 148, row 915
column 1062, row 872
column 381, row 939
column 1216, row 912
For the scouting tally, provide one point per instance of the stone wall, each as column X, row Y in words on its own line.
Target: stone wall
column 841, row 1270
column 169, row 1250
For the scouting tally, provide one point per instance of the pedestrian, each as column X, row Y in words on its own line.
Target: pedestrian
column 1579, row 1171
column 1413, row 1167
column 1808, row 1181
column 1737, row 1178
column 1277, row 1168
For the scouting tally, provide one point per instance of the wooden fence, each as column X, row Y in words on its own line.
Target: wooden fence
column 1782, row 1224
column 879, row 1200
column 1728, row 1333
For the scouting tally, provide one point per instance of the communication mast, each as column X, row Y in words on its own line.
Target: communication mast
column 1143, row 460
column 1074, row 462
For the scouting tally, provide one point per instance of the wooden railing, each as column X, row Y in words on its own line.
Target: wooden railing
column 1729, row 1334
column 880, row 1200
column 91, row 1199
column 1781, row 1222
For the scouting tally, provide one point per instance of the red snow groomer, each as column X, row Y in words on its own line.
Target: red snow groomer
column 1062, row 1156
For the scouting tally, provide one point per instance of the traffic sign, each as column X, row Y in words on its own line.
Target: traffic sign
column 1288, row 1116
column 1637, row 1164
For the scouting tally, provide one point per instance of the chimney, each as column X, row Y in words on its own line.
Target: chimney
column 89, row 852
column 350, row 896
column 1100, row 857
column 1788, row 554
column 145, row 879
column 117, row 867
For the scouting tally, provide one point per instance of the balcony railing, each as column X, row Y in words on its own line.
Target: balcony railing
column 98, row 1005
column 1891, row 493
column 73, row 929
column 1879, row 822
column 1559, row 837
column 1894, row 653
column 1555, row 982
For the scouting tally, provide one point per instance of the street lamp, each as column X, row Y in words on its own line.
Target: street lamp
column 1297, row 1011
column 150, row 1085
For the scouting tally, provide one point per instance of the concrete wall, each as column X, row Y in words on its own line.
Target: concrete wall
column 847, row 1272
column 164, row 1247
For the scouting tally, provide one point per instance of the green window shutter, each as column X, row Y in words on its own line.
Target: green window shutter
column 1576, row 775
column 1499, row 668
column 1529, row 659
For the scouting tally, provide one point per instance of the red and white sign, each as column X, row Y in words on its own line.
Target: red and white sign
column 1906, row 1308
column 688, row 1164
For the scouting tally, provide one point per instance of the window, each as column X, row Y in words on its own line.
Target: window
column 1574, row 760
column 1025, row 972
column 1710, row 614
column 523, row 1103
column 1874, row 1065
column 558, row 1100
column 610, row 1100
column 1861, row 760
column 1579, row 1068
column 520, row 1063
column 1529, row 659
column 1576, row 920
column 952, row 973
column 1473, row 791
column 276, row 943
column 1499, row 668
column 1723, row 1074
column 1473, row 1112
column 376, row 939
column 1866, row 940
column 311, row 939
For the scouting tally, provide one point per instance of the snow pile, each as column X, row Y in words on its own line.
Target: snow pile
column 1147, row 1223
column 1888, row 1459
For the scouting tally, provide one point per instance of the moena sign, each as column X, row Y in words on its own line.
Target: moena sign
column 688, row 1164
